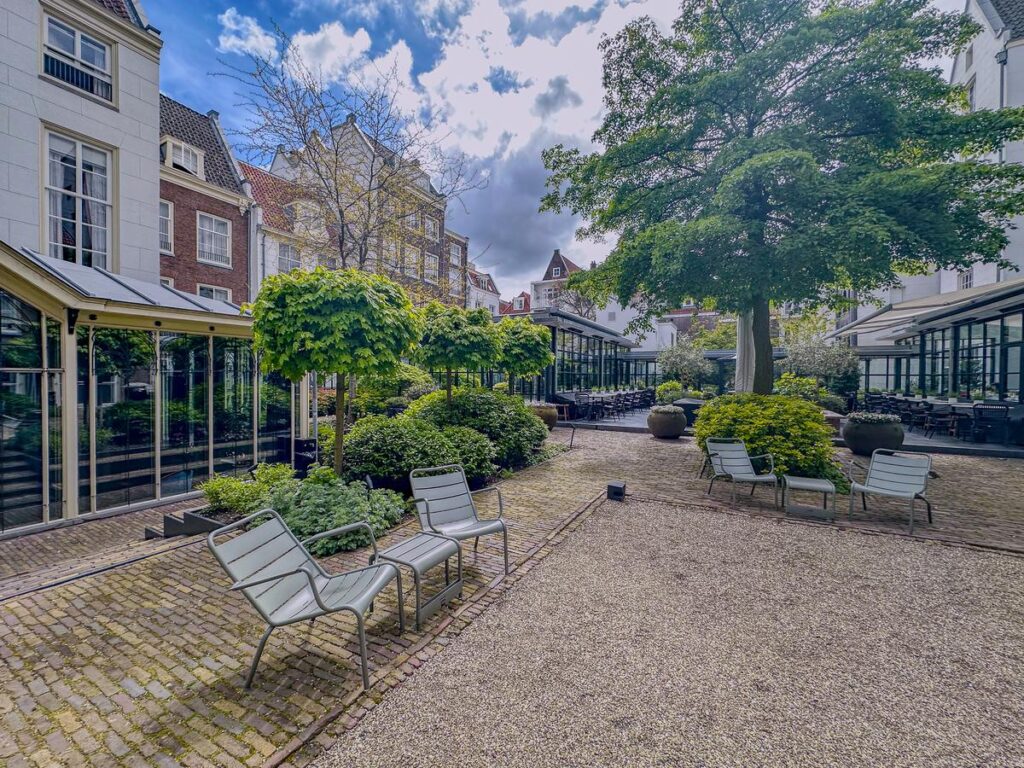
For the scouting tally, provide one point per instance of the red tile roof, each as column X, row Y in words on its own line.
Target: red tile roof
column 507, row 307
column 272, row 193
column 122, row 9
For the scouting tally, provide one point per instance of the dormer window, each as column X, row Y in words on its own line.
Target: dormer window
column 556, row 271
column 182, row 156
column 969, row 57
column 78, row 59
column 518, row 302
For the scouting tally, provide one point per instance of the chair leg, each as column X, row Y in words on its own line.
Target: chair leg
column 849, row 512
column 504, row 533
column 401, row 599
column 734, row 492
column 911, row 517
column 752, row 487
column 256, row 658
column 476, row 544
column 864, row 501
column 928, row 506
column 712, row 484
column 361, row 628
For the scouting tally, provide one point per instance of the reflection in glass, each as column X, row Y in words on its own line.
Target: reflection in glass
column 56, row 469
column 184, row 443
column 21, row 462
column 233, row 371
column 275, row 419
column 124, row 363
column 82, row 334
column 21, row 343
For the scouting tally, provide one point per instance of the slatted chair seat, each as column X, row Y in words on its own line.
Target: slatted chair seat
column 896, row 475
column 445, row 505
column 730, row 461
column 285, row 584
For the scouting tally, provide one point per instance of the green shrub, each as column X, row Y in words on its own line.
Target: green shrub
column 373, row 393
column 475, row 451
column 808, row 388
column 516, row 433
column 501, row 387
column 323, row 502
column 669, row 391
column 325, row 441
column 388, row 449
column 793, row 430
column 242, row 495
column 326, row 401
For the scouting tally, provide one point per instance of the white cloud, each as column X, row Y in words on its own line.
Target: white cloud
column 331, row 49
column 243, row 35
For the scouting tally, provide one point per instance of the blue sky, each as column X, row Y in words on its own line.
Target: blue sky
column 512, row 77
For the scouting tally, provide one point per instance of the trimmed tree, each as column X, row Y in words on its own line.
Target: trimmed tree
column 455, row 338
column 685, row 361
column 768, row 152
column 525, row 348
column 342, row 322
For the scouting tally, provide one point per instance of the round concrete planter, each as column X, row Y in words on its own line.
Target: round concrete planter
column 666, row 424
column 547, row 414
column 863, row 439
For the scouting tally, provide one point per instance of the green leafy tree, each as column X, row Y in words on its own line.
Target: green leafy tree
column 685, row 361
column 768, row 151
column 525, row 348
column 455, row 338
column 722, row 336
column 343, row 322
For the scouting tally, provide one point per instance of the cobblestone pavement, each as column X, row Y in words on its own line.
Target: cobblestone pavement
column 143, row 664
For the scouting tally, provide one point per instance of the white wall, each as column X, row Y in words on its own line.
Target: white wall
column 27, row 101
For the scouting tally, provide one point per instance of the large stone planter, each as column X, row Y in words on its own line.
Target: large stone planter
column 547, row 414
column 863, row 439
column 666, row 424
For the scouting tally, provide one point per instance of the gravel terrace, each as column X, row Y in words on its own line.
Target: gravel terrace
column 661, row 635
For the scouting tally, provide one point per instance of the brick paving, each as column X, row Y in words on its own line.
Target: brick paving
column 143, row 664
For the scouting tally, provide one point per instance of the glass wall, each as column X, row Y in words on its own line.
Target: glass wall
column 890, row 373
column 234, row 380
column 184, row 417
column 937, row 359
column 275, row 427
column 124, row 366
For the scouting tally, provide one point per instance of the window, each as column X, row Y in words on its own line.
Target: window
column 77, row 59
column 213, row 292
column 391, row 252
column 413, row 220
column 430, row 268
column 432, row 228
column 611, row 318
column 182, row 156
column 965, row 279
column 970, row 95
column 167, row 282
column 287, row 258
column 77, row 201
column 455, row 280
column 166, row 227
column 214, row 240
column 556, row 271
column 969, row 57
column 517, row 302
column 414, row 261
column 455, row 254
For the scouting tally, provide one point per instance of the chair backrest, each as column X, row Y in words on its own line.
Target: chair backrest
column 991, row 412
column 446, row 491
column 262, row 551
column 898, row 472
column 729, row 456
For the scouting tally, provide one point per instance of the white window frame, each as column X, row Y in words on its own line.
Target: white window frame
column 455, row 254
column 76, row 60
column 80, row 198
column 391, row 253
column 972, row 94
column 517, row 302
column 213, row 288
column 296, row 261
column 556, row 271
column 432, row 227
column 417, row 262
column 170, row 144
column 199, row 229
column 965, row 279
column 167, row 282
column 170, row 228
column 412, row 221
column 431, row 267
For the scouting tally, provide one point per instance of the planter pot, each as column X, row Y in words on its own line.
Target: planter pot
column 547, row 414
column 666, row 426
column 864, row 439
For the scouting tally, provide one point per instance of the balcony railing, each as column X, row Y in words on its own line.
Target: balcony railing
column 66, row 72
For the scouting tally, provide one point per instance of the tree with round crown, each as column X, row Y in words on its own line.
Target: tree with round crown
column 344, row 322
column 525, row 348
column 455, row 338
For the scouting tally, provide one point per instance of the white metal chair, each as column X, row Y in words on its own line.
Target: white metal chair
column 445, row 505
column 896, row 475
column 730, row 461
column 285, row 585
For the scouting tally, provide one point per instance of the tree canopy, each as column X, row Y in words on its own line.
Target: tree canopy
column 525, row 347
column 771, row 151
column 685, row 361
column 455, row 338
column 346, row 322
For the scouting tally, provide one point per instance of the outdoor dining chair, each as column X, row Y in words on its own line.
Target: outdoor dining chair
column 896, row 475
column 989, row 420
column 276, row 573
column 730, row 461
column 445, row 505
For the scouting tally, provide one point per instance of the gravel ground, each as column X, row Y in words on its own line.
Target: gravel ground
column 667, row 636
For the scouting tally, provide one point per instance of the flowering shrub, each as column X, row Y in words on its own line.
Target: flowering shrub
column 669, row 391
column 863, row 417
column 667, row 409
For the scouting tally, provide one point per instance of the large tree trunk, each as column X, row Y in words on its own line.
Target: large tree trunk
column 339, row 426
column 744, row 353
column 764, row 361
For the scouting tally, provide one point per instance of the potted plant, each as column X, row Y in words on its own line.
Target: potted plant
column 863, row 432
column 545, row 413
column 666, row 422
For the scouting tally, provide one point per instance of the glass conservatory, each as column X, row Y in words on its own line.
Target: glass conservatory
column 116, row 393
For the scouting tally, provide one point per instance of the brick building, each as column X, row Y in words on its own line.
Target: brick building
column 204, row 205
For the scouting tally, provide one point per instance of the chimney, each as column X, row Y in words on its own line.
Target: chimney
column 280, row 149
column 557, row 252
column 213, row 114
column 350, row 117
column 593, row 264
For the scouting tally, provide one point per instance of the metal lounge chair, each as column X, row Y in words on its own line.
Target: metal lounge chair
column 445, row 505
column 897, row 475
column 275, row 571
column 729, row 460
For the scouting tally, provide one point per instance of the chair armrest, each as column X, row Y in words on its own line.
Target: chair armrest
column 344, row 529
column 849, row 474
column 247, row 583
column 426, row 507
column 771, row 461
column 501, row 503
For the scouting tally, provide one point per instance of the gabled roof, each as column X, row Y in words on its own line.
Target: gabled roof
column 1011, row 13
column 124, row 10
column 272, row 193
column 558, row 260
column 200, row 131
column 483, row 281
column 508, row 307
